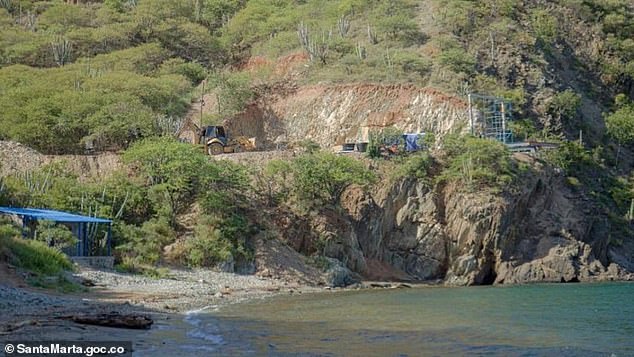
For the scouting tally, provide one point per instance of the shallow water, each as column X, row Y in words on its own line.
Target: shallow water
column 532, row 320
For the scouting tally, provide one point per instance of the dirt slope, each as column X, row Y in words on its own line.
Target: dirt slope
column 15, row 157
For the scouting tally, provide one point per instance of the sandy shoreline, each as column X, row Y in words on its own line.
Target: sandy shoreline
column 33, row 314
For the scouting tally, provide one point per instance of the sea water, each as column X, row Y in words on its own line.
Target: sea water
column 530, row 320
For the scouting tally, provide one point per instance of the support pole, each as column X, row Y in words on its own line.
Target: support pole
column 503, row 123
column 471, row 124
column 25, row 224
column 109, row 238
column 85, row 251
column 80, row 239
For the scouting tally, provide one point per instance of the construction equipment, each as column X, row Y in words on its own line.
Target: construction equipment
column 217, row 141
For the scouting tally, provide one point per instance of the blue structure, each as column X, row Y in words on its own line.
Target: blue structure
column 78, row 223
column 413, row 141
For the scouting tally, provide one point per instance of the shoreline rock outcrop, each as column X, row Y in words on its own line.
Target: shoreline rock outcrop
column 544, row 231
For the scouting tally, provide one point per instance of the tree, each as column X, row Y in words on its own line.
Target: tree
column 234, row 92
column 564, row 105
column 620, row 125
column 174, row 171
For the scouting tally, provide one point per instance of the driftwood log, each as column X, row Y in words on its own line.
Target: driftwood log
column 131, row 321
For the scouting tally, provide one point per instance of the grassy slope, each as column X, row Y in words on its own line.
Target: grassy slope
column 44, row 266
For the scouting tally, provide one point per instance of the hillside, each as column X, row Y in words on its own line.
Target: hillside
column 118, row 78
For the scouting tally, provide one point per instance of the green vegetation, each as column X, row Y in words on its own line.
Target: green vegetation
column 478, row 163
column 45, row 265
column 167, row 178
column 108, row 73
column 233, row 90
column 417, row 165
column 36, row 257
column 620, row 126
column 55, row 235
column 564, row 105
column 382, row 140
column 318, row 178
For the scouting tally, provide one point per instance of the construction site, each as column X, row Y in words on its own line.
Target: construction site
column 346, row 118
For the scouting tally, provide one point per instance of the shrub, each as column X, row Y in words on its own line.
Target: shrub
column 458, row 60
column 208, row 247
column 413, row 63
column 544, row 26
column 174, row 170
column 564, row 105
column 143, row 246
column 417, row 166
column 234, row 91
column 322, row 176
column 379, row 140
column 195, row 72
column 55, row 235
column 219, row 240
column 477, row 162
column 523, row 129
column 572, row 158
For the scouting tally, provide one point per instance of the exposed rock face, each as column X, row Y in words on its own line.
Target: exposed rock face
column 330, row 115
column 544, row 232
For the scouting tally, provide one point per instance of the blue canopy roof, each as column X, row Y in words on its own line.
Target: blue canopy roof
column 57, row 216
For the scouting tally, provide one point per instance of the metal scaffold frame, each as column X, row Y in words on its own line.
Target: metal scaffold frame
column 489, row 117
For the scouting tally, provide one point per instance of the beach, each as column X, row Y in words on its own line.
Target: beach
column 28, row 313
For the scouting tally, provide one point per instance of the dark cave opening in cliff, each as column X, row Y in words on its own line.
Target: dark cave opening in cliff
column 490, row 277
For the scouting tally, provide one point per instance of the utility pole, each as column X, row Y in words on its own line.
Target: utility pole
column 202, row 102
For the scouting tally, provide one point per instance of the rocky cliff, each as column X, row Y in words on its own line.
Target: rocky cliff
column 544, row 231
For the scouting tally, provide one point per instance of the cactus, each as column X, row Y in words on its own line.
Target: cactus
column 198, row 10
column 344, row 26
column 29, row 21
column 372, row 36
column 304, row 37
column 6, row 4
column 465, row 88
column 169, row 125
column 361, row 51
column 316, row 50
column 62, row 49
column 388, row 59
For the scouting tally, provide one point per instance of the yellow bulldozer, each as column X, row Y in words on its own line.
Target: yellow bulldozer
column 216, row 141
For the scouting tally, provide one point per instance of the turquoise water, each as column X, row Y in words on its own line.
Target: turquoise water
column 534, row 320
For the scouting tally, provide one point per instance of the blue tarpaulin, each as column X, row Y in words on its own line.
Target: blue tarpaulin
column 411, row 141
column 57, row 216
column 79, row 224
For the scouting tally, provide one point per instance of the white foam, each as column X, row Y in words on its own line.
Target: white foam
column 208, row 332
column 206, row 336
